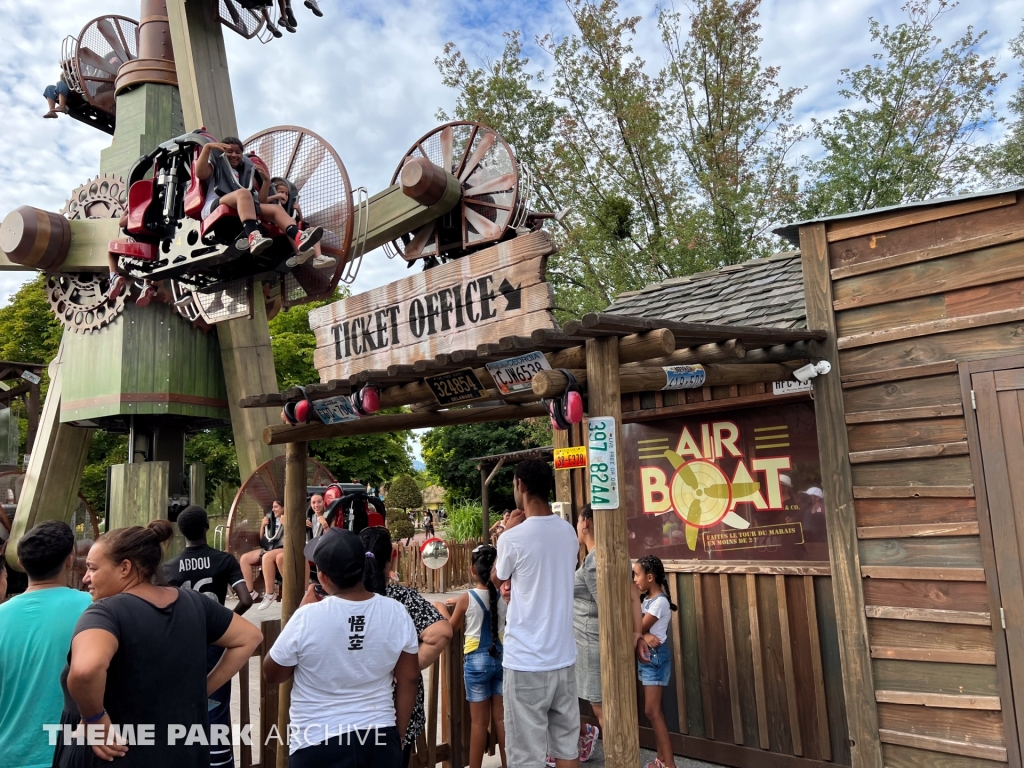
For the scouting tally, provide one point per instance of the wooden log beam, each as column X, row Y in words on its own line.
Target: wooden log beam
column 651, row 379
column 727, row 352
column 780, row 353
column 614, row 606
column 837, row 483
column 371, row 425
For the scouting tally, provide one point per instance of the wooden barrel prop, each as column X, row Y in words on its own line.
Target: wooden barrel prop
column 34, row 238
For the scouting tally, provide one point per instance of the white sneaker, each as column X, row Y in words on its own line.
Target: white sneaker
column 324, row 262
column 268, row 600
column 297, row 259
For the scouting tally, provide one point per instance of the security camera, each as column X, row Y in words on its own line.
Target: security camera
column 812, row 370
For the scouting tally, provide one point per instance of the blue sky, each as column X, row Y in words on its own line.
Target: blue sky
column 364, row 77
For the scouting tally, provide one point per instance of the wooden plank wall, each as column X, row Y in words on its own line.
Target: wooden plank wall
column 914, row 292
column 756, row 677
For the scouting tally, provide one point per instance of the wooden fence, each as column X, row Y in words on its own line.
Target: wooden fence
column 453, row 575
column 446, row 708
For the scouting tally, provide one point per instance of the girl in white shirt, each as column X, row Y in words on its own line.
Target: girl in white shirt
column 649, row 576
column 482, row 612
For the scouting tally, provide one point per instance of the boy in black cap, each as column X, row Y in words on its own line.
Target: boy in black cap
column 205, row 569
column 343, row 710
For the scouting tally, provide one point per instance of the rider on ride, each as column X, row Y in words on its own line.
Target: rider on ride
column 286, row 195
column 235, row 181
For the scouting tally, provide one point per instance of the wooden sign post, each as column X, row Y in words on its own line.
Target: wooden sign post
column 618, row 667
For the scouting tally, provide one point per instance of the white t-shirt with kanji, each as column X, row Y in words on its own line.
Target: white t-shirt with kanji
column 344, row 653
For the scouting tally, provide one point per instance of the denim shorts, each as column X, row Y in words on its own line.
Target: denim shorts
column 53, row 91
column 483, row 675
column 659, row 670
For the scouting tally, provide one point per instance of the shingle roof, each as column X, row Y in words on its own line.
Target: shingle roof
column 760, row 292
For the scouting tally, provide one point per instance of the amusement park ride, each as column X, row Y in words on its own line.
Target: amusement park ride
column 160, row 86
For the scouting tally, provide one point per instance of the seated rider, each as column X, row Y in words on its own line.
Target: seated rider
column 287, row 197
column 57, row 97
column 233, row 180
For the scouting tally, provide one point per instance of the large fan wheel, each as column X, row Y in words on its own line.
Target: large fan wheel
column 104, row 44
column 487, row 168
column 324, row 197
column 254, row 499
column 246, row 22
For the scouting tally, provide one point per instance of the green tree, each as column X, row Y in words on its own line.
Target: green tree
column 447, row 452
column 215, row 448
column 105, row 449
column 916, row 116
column 732, row 127
column 29, row 331
column 591, row 135
column 369, row 459
column 403, row 492
column 1004, row 163
column 665, row 174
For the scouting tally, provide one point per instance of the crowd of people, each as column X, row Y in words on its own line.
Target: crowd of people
column 137, row 671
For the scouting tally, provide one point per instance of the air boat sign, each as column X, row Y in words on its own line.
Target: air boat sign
column 476, row 299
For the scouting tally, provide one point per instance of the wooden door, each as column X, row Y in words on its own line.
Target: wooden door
column 997, row 392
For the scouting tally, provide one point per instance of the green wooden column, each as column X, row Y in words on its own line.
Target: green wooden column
column 146, row 116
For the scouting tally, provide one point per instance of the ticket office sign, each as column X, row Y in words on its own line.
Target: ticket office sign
column 740, row 485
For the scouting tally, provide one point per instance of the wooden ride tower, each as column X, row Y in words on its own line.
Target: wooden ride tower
column 161, row 371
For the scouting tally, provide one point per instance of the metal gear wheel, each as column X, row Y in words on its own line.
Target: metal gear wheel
column 81, row 301
column 104, row 197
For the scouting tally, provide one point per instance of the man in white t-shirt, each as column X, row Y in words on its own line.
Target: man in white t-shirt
column 344, row 651
column 536, row 565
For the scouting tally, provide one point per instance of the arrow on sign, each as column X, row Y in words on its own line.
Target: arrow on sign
column 513, row 296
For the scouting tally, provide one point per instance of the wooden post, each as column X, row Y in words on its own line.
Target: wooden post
column 197, row 483
column 618, row 667
column 485, row 504
column 32, row 411
column 205, row 86
column 55, row 467
column 293, row 569
column 837, row 484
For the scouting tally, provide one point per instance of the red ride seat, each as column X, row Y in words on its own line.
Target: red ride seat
column 140, row 197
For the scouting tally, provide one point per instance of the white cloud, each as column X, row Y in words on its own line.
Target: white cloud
column 364, row 77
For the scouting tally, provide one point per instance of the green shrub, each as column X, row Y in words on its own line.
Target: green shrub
column 400, row 528
column 465, row 519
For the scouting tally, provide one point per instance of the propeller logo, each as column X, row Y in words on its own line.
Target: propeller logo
column 702, row 495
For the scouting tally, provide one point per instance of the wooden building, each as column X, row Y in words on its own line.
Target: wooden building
column 757, row 679
column 859, row 599
column 919, row 433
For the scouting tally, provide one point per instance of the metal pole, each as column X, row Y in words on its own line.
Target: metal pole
column 485, row 504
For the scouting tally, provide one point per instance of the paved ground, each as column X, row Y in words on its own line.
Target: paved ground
column 274, row 612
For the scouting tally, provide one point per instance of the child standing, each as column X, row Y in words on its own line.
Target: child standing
column 483, row 614
column 657, row 607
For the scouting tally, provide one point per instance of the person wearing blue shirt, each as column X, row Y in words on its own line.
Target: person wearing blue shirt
column 35, row 636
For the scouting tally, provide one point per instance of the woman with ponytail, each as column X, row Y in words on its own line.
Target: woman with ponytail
column 138, row 655
column 432, row 629
column 483, row 614
column 649, row 576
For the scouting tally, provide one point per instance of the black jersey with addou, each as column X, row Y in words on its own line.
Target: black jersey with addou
column 203, row 569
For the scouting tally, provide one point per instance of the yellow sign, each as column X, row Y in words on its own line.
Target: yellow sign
column 571, row 458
